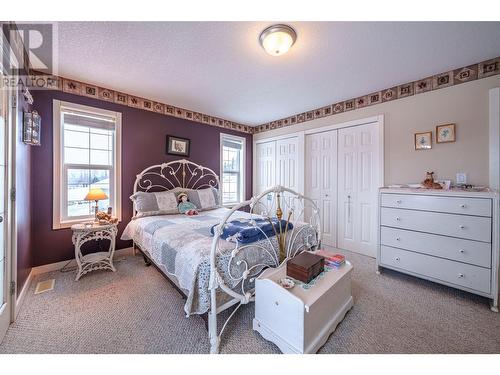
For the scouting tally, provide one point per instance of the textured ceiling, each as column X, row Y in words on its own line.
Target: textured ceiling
column 219, row 68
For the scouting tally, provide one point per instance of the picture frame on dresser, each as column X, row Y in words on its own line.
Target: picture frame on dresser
column 445, row 236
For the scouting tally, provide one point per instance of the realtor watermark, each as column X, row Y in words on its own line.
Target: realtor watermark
column 29, row 58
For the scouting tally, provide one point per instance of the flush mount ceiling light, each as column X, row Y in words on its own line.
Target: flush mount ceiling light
column 277, row 39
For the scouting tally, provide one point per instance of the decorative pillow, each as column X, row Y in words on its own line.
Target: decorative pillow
column 160, row 203
column 204, row 199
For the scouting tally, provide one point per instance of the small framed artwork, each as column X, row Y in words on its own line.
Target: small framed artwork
column 423, row 141
column 32, row 123
column 445, row 133
column 178, row 146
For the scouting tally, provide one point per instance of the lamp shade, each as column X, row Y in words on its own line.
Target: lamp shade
column 96, row 195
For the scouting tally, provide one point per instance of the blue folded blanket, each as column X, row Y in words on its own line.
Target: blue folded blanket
column 246, row 232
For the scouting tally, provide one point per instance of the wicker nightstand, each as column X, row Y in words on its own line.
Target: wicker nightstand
column 102, row 260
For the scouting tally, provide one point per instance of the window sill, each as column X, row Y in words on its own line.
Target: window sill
column 68, row 224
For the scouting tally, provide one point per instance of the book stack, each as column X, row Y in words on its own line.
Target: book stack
column 332, row 260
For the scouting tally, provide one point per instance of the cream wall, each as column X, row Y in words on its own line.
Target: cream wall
column 465, row 104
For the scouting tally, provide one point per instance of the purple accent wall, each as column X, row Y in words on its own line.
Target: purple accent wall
column 143, row 144
column 23, row 199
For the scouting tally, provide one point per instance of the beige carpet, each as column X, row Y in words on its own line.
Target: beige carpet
column 136, row 311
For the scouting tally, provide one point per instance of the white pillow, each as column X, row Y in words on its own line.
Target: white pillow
column 167, row 201
column 207, row 199
column 158, row 203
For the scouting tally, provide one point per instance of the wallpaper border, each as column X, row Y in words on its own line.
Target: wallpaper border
column 53, row 82
column 438, row 81
column 453, row 77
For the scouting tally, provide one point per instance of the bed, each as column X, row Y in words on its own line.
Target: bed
column 215, row 271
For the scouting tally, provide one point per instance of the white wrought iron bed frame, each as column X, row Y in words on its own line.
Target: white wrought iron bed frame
column 184, row 174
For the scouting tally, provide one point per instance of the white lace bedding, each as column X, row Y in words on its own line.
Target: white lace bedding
column 181, row 246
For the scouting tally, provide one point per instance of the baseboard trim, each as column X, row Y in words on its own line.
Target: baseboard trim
column 72, row 263
column 22, row 296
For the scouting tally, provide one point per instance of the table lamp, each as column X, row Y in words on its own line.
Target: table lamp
column 96, row 195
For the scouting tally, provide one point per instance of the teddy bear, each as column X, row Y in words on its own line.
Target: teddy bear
column 105, row 218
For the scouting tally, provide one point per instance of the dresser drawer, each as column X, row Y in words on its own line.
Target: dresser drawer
column 461, row 226
column 453, row 205
column 461, row 274
column 467, row 251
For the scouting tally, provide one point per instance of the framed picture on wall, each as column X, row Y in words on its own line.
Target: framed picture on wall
column 32, row 123
column 178, row 146
column 423, row 141
column 445, row 133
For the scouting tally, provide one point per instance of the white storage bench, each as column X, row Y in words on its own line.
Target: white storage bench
column 300, row 320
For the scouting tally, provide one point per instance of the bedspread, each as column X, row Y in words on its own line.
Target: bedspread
column 181, row 246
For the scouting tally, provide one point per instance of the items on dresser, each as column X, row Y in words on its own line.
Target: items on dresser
column 449, row 237
column 305, row 266
column 300, row 320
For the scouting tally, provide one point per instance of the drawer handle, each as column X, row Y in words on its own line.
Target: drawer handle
column 461, row 226
column 398, row 218
column 463, row 205
column 461, row 275
column 399, row 201
column 461, row 251
column 398, row 238
column 276, row 303
column 397, row 259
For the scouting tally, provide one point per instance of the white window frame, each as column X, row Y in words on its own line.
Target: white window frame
column 242, row 166
column 59, row 220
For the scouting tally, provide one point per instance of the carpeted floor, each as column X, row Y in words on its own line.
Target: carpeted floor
column 135, row 310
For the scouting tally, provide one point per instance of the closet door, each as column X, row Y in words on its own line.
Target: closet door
column 265, row 166
column 287, row 171
column 358, row 185
column 321, row 180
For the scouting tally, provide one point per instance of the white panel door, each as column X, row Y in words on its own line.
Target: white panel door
column 266, row 166
column 321, row 180
column 359, row 180
column 4, row 297
column 287, row 170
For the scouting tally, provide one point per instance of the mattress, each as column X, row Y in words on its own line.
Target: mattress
column 180, row 245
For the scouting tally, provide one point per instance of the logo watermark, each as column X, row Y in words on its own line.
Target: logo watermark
column 29, row 58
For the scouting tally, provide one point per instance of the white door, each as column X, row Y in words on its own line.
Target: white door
column 265, row 175
column 287, row 171
column 359, row 180
column 321, row 180
column 265, row 166
column 4, row 264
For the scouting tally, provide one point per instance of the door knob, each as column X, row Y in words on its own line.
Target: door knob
column 1, row 219
column 461, row 226
column 461, row 275
column 461, row 251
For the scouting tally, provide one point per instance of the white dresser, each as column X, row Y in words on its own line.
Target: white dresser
column 450, row 237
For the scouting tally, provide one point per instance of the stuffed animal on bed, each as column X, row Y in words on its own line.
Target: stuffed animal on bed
column 185, row 206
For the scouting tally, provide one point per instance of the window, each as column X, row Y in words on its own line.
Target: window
column 232, row 169
column 87, row 155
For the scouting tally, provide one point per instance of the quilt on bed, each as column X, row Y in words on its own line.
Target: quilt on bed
column 181, row 246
